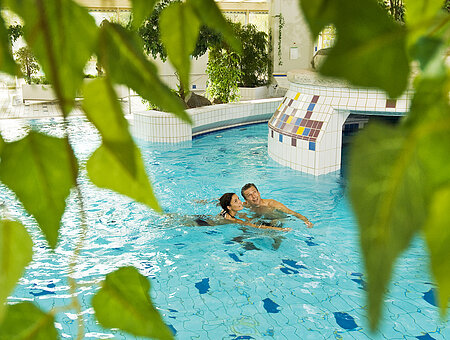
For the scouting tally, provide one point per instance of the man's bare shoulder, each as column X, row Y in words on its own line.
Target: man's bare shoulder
column 269, row 202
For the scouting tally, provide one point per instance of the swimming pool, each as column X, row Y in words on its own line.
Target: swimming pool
column 221, row 282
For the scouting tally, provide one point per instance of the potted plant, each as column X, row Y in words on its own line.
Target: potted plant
column 36, row 88
column 254, row 62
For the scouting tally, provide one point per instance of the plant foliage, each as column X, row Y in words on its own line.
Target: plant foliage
column 254, row 59
column 224, row 74
column 42, row 170
column 399, row 180
column 399, row 176
column 28, row 63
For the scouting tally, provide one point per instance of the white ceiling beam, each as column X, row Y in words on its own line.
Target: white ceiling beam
column 228, row 6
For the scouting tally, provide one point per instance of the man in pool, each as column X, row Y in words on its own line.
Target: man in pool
column 265, row 206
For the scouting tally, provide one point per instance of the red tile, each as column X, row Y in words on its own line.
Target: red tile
column 303, row 122
column 315, row 124
column 391, row 103
column 316, row 133
column 309, row 123
column 319, row 126
column 308, row 114
column 314, row 99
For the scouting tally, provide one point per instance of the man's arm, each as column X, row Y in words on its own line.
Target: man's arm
column 248, row 224
column 279, row 206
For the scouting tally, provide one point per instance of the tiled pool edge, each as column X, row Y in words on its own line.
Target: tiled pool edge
column 157, row 126
column 305, row 132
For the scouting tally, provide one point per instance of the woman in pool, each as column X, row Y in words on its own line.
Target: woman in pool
column 231, row 204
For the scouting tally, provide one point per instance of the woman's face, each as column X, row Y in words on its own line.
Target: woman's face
column 235, row 203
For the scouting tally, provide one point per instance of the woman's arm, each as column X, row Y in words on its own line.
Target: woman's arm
column 248, row 224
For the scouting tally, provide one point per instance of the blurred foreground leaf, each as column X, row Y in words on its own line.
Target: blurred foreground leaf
column 211, row 16
column 122, row 55
column 117, row 164
column 16, row 251
column 38, row 168
column 363, row 56
column 419, row 15
column 124, row 302
column 7, row 63
column 389, row 201
column 25, row 321
column 179, row 37
column 437, row 235
column 53, row 30
column 141, row 10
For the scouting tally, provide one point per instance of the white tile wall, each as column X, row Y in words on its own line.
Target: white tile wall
column 332, row 108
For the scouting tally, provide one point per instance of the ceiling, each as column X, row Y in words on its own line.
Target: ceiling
column 226, row 5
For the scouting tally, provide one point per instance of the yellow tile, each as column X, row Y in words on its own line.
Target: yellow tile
column 289, row 119
column 297, row 95
column 300, row 130
column 279, row 107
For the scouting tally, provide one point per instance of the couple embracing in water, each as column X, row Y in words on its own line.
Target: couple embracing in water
column 267, row 208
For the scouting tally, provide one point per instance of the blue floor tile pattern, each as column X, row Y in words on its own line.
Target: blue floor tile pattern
column 222, row 282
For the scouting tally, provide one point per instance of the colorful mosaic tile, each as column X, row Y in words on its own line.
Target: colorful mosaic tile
column 297, row 123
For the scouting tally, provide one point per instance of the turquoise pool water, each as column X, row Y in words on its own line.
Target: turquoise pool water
column 222, row 282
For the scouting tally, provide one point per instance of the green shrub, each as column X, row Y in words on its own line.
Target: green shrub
column 224, row 75
column 255, row 60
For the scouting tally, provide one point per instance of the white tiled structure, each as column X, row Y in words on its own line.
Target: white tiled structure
column 156, row 126
column 305, row 133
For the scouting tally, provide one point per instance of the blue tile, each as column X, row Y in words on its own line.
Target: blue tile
column 280, row 137
column 202, row 286
column 430, row 297
column 270, row 306
column 311, row 107
column 306, row 132
column 345, row 320
column 234, row 257
column 288, row 271
column 174, row 331
column 312, row 146
column 293, row 264
column 298, row 121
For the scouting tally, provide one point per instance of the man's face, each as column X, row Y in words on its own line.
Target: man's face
column 252, row 196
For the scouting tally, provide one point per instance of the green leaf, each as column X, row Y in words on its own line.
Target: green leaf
column 7, row 63
column 106, row 171
column 141, row 10
column 117, row 164
column 2, row 143
column 103, row 109
column 38, row 168
column 419, row 16
column 16, row 251
column 122, row 50
column 365, row 55
column 179, row 33
column 389, row 200
column 62, row 46
column 210, row 15
column 25, row 321
column 428, row 51
column 437, row 235
column 319, row 13
column 124, row 302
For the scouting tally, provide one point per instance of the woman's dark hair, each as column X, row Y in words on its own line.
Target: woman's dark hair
column 225, row 200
